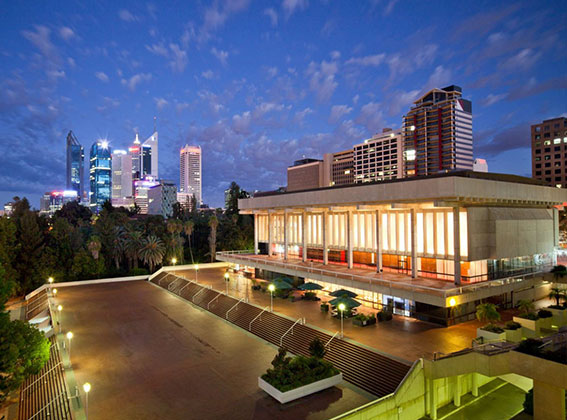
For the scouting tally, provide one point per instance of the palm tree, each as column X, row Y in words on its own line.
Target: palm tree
column 213, row 223
column 188, row 229
column 94, row 247
column 133, row 244
column 153, row 251
column 557, row 294
column 559, row 271
column 487, row 312
column 526, row 306
column 118, row 245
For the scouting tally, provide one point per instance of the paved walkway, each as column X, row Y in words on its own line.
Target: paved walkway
column 403, row 337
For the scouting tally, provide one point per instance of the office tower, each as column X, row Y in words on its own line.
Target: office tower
column 52, row 201
column 190, row 171
column 149, row 156
column 141, row 188
column 75, row 165
column 100, row 175
column 121, row 176
column 549, row 151
column 379, row 158
column 184, row 200
column 135, row 153
column 305, row 174
column 161, row 198
column 438, row 133
column 480, row 165
column 338, row 168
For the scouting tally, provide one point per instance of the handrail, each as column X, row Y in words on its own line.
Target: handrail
column 30, row 385
column 234, row 306
column 188, row 283
column 41, row 302
column 291, row 329
column 198, row 293
column 159, row 281
column 331, row 339
column 257, row 316
column 173, row 282
column 48, row 404
column 213, row 299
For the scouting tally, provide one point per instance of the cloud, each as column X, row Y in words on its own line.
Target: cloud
column 371, row 116
column 335, row 55
column 389, row 7
column 42, row 41
column 337, row 112
column 207, row 74
column 491, row 142
column 440, row 77
column 108, row 105
column 272, row 71
column 158, row 49
column 523, row 60
column 66, row 33
column 300, row 115
column 401, row 100
column 291, row 6
column 532, row 87
column 178, row 58
column 322, row 79
column 491, row 99
column 126, row 16
column 136, row 80
column 369, row 60
column 101, row 76
column 221, row 55
column 273, row 15
column 217, row 15
column 160, row 103
column 241, row 123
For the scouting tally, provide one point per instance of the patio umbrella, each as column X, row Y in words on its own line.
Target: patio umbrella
column 281, row 284
column 343, row 292
column 310, row 286
column 347, row 301
column 286, row 279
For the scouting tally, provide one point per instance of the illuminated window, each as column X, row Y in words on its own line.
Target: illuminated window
column 409, row 155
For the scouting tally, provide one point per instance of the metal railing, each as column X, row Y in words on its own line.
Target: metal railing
column 38, row 379
column 198, row 293
column 188, row 283
column 300, row 320
column 213, row 299
column 172, row 283
column 159, row 281
column 256, row 317
column 234, row 306
column 331, row 339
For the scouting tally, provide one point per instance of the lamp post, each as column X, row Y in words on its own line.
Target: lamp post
column 174, row 260
column 271, row 288
column 59, row 309
column 226, row 280
column 54, row 292
column 87, row 388
column 69, row 337
column 196, row 273
column 342, row 308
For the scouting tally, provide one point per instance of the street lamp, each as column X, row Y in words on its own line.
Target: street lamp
column 196, row 273
column 226, row 280
column 59, row 309
column 174, row 260
column 271, row 288
column 342, row 308
column 87, row 388
column 69, row 337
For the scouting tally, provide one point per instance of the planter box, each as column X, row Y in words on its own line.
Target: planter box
column 514, row 336
column 559, row 316
column 302, row 391
column 545, row 323
column 490, row 336
column 324, row 308
column 364, row 323
column 534, row 326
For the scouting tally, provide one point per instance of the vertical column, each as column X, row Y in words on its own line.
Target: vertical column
column 325, row 238
column 255, row 234
column 413, row 223
column 433, row 396
column 474, row 390
column 349, row 239
column 457, row 245
column 286, row 234
column 457, row 394
column 555, row 232
column 304, row 236
column 270, row 234
column 378, row 243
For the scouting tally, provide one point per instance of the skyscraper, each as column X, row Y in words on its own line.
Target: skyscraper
column 100, row 174
column 438, row 133
column 75, row 166
column 549, row 151
column 135, row 153
column 190, row 171
column 379, row 158
column 149, row 156
column 121, row 175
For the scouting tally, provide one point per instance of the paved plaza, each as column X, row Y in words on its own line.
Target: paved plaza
column 150, row 355
column 403, row 337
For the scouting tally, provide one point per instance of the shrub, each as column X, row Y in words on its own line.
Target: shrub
column 487, row 312
column 325, row 307
column 543, row 313
column 560, row 307
column 363, row 317
column 138, row 272
column 530, row 346
column 530, row 316
column 317, row 349
column 512, row 325
column 310, row 296
column 529, row 402
column 492, row 328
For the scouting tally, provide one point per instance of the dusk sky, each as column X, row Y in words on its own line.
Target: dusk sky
column 260, row 84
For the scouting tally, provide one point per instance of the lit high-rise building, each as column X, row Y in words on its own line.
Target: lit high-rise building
column 438, row 133
column 135, row 153
column 549, row 151
column 75, row 165
column 52, row 201
column 379, row 158
column 141, row 189
column 338, row 168
column 190, row 171
column 121, row 176
column 100, row 174
column 149, row 156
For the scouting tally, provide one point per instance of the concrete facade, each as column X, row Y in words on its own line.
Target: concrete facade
column 549, row 151
column 304, row 175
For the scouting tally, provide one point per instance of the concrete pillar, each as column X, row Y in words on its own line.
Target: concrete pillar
column 427, row 399
column 555, row 232
column 549, row 402
column 457, row 391
column 255, row 234
column 474, row 390
column 270, row 235
column 286, row 234
column 349, row 239
column 378, row 243
column 457, row 245
column 325, row 236
column 413, row 238
column 304, row 236
column 433, row 399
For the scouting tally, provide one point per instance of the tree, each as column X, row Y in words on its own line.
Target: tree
column 487, row 312
column 29, row 258
column 317, row 348
column 188, row 230
column 152, row 252
column 559, row 271
column 94, row 247
column 133, row 245
column 557, row 294
column 75, row 214
column 213, row 224
column 234, row 193
column 526, row 306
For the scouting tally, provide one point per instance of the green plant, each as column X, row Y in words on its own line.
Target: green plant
column 557, row 294
column 138, row 272
column 559, row 271
column 310, row 296
column 529, row 402
column 317, row 349
column 544, row 313
column 493, row 328
column 325, row 307
column 525, row 306
column 512, row 325
column 487, row 312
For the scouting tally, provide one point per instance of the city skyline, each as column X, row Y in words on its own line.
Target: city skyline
column 197, row 69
